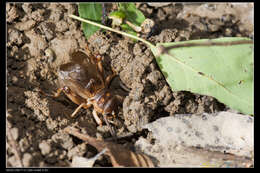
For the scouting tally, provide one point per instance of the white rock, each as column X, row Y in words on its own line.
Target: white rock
column 223, row 131
column 177, row 139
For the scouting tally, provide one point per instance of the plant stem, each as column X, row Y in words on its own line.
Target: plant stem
column 111, row 29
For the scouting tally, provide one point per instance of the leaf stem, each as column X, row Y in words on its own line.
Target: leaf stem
column 111, row 29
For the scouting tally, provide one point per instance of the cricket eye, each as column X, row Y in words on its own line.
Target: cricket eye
column 66, row 89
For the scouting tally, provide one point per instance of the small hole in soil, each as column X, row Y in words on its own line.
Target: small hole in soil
column 104, row 162
column 108, row 36
column 119, row 35
column 159, row 112
column 76, row 141
column 134, row 137
column 90, row 151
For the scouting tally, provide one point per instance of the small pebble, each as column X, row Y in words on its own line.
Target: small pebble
column 49, row 54
column 15, row 133
column 45, row 148
column 13, row 161
column 63, row 139
column 27, row 8
column 79, row 150
column 27, row 158
column 154, row 77
column 24, row 144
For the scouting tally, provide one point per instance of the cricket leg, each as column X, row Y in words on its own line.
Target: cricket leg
column 56, row 94
column 110, row 78
column 112, row 132
column 100, row 67
column 97, row 119
column 85, row 105
column 77, row 109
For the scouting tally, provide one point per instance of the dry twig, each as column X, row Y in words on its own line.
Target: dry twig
column 120, row 157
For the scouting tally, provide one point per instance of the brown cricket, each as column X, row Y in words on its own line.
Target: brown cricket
column 83, row 81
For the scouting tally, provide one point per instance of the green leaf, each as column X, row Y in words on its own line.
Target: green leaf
column 222, row 68
column 117, row 14
column 132, row 14
column 93, row 12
